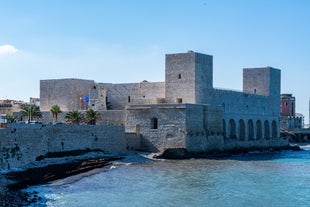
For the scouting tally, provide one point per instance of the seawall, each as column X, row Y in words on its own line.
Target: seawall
column 21, row 144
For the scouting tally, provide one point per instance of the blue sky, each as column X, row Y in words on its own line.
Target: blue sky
column 126, row 41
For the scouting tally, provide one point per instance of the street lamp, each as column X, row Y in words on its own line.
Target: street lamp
column 29, row 116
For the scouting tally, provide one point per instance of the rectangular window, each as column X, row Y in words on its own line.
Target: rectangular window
column 179, row 100
column 128, row 99
column 154, row 123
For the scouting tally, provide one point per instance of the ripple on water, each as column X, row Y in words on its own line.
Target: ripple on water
column 270, row 179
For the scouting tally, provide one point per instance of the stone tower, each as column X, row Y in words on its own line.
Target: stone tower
column 262, row 81
column 266, row 82
column 188, row 78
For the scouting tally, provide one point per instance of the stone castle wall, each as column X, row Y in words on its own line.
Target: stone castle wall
column 197, row 128
column 21, row 144
column 121, row 95
column 191, row 127
column 64, row 92
column 166, row 133
column 242, row 109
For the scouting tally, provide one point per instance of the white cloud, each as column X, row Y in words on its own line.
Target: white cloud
column 7, row 49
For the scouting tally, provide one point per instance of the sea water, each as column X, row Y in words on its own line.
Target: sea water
column 256, row 179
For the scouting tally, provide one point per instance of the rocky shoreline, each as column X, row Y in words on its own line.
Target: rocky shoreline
column 13, row 182
column 51, row 169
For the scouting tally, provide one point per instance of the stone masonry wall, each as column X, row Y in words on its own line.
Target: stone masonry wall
column 64, row 92
column 170, row 131
column 121, row 95
column 21, row 143
column 180, row 78
column 238, row 106
column 197, row 128
column 204, row 128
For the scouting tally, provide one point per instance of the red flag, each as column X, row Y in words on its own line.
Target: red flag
column 81, row 99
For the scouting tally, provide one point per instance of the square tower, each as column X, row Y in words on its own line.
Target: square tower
column 188, row 78
column 262, row 81
column 266, row 82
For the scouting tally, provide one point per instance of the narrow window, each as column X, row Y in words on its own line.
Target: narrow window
column 179, row 76
column 255, row 91
column 179, row 100
column 128, row 99
column 154, row 123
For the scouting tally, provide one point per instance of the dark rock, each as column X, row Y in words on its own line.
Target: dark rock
column 174, row 153
column 41, row 175
column 296, row 148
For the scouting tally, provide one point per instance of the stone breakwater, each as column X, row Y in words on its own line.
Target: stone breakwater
column 21, row 144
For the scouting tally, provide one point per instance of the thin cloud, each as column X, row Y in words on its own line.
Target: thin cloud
column 7, row 49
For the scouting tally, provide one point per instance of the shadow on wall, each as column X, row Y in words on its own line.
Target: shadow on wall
column 147, row 146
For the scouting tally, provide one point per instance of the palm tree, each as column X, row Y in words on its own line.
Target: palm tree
column 31, row 112
column 91, row 116
column 55, row 110
column 11, row 118
column 73, row 117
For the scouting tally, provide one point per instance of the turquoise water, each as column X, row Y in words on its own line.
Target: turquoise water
column 257, row 179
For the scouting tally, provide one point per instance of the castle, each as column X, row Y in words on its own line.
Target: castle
column 185, row 111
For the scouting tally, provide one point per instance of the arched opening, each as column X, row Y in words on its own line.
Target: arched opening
column 224, row 128
column 232, row 129
column 241, row 130
column 266, row 130
column 259, row 133
column 250, row 130
column 274, row 129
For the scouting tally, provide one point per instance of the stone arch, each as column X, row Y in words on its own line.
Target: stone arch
column 274, row 129
column 224, row 128
column 250, row 130
column 241, row 130
column 266, row 129
column 259, row 130
column 232, row 129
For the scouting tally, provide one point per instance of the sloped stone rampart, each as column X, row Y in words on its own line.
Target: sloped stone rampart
column 21, row 144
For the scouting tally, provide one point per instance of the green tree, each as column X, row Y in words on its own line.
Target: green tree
column 11, row 118
column 55, row 110
column 91, row 116
column 31, row 112
column 73, row 117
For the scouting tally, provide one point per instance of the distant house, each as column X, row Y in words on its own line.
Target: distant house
column 290, row 119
